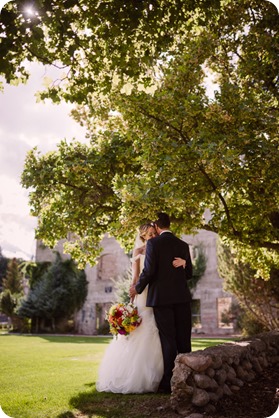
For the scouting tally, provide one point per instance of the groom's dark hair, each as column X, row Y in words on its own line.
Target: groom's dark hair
column 163, row 220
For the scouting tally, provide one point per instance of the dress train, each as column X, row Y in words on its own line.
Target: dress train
column 133, row 363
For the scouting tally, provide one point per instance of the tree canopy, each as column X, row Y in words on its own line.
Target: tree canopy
column 138, row 74
column 93, row 42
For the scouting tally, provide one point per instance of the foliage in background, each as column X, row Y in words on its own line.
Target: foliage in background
column 34, row 271
column 13, row 279
column 3, row 267
column 251, row 325
column 242, row 320
column 233, row 316
column 55, row 296
column 259, row 298
column 159, row 139
column 10, row 297
column 122, row 285
column 199, row 266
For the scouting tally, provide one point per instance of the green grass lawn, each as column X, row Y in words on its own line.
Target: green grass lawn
column 54, row 377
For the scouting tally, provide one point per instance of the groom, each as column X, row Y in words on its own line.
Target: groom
column 168, row 294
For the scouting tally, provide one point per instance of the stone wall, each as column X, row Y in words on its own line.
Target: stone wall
column 203, row 377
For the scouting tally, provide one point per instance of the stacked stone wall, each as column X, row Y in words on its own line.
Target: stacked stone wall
column 201, row 378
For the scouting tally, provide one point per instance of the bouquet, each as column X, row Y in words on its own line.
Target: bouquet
column 123, row 319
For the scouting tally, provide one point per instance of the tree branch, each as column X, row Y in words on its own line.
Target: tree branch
column 224, row 203
column 42, row 59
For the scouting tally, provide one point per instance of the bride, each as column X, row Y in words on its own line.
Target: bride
column 134, row 363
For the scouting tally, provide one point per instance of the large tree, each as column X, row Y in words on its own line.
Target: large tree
column 167, row 145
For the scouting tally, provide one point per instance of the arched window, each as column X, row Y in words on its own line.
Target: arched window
column 106, row 267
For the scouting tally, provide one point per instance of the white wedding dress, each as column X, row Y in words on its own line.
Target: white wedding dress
column 133, row 363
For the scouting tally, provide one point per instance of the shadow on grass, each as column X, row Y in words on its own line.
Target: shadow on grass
column 111, row 405
column 75, row 339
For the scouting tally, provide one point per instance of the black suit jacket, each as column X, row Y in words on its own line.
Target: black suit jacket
column 167, row 284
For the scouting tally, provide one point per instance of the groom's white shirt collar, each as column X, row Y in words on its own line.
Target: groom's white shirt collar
column 165, row 230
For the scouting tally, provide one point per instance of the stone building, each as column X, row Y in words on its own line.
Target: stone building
column 113, row 263
column 210, row 301
column 209, row 298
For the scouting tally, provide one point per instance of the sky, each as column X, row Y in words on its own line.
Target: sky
column 24, row 124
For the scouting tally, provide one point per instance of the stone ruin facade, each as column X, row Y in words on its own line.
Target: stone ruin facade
column 210, row 301
column 112, row 264
column 202, row 378
column 209, row 298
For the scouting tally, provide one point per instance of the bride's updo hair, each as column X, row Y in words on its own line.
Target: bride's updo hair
column 143, row 230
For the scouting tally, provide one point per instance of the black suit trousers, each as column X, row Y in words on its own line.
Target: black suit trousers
column 174, row 323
